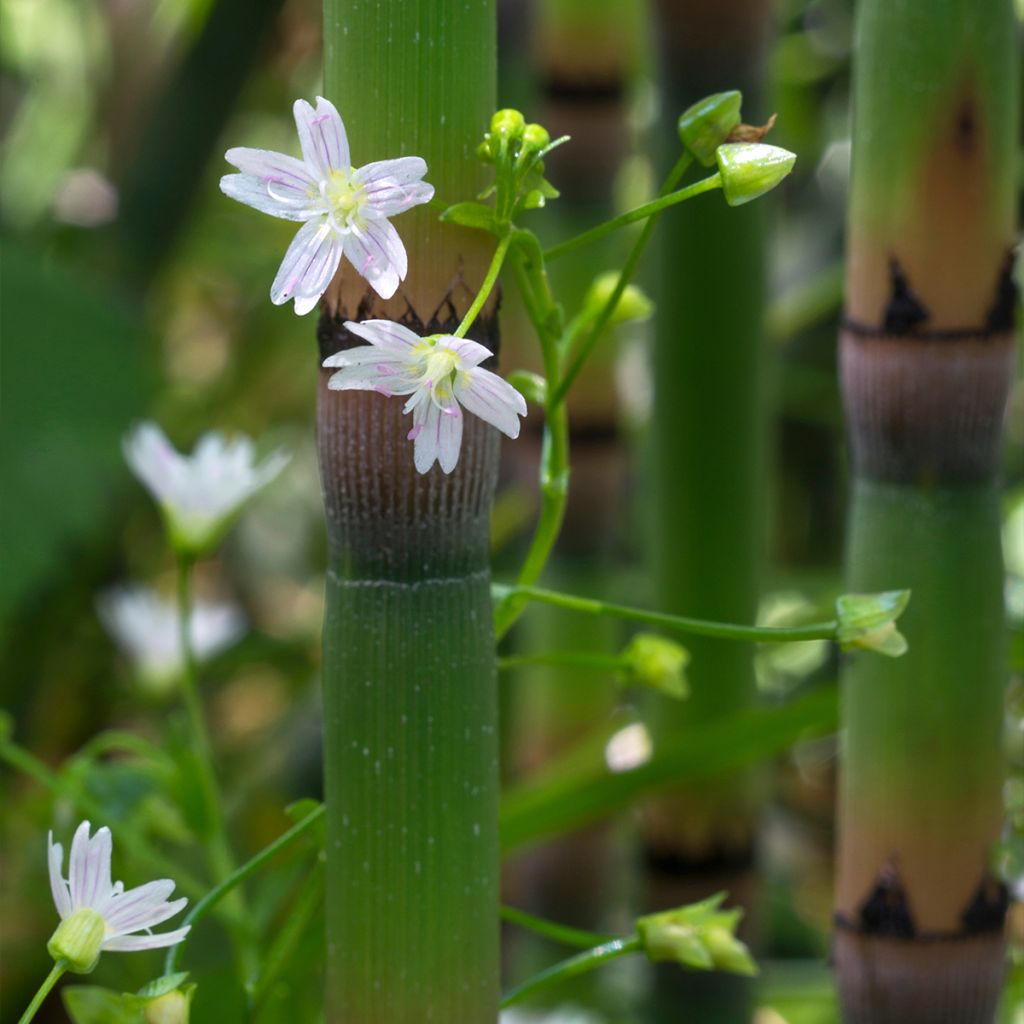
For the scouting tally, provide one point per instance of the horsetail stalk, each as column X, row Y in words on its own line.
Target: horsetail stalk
column 927, row 352
column 409, row 675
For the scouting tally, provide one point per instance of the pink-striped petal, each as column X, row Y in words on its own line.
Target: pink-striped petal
column 132, row 943
column 427, row 425
column 322, row 137
column 308, row 265
column 142, row 907
column 373, row 263
column 449, row 437
column 59, row 888
column 89, row 866
column 470, row 353
column 272, row 183
column 371, row 378
column 486, row 395
column 393, row 186
column 386, row 335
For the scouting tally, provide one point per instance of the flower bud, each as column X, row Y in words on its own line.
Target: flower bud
column 868, row 622
column 707, row 124
column 633, row 304
column 657, row 663
column 726, row 951
column 749, row 169
column 508, row 124
column 535, row 138
column 172, row 1008
column 78, row 940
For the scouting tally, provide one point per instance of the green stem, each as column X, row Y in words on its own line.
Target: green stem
column 631, row 216
column 44, row 990
column 580, row 659
column 239, row 875
column 485, row 289
column 553, row 930
column 137, row 846
column 625, row 276
column 684, row 624
column 308, row 902
column 575, row 965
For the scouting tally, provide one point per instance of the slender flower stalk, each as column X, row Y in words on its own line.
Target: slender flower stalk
column 927, row 355
column 56, row 973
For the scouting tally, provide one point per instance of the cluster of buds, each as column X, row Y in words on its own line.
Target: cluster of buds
column 517, row 151
column 713, row 131
column 700, row 936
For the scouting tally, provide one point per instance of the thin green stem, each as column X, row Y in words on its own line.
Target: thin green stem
column 305, row 906
column 218, row 892
column 563, row 933
column 44, row 990
column 631, row 216
column 600, row 324
column 575, row 965
column 21, row 760
column 487, row 287
column 221, row 860
column 576, row 659
column 698, row 627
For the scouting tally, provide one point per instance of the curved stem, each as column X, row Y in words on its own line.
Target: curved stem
column 216, row 894
column 597, row 329
column 553, row 930
column 699, row 627
column 578, row 659
column 579, row 964
column 487, row 287
column 631, row 216
column 44, row 990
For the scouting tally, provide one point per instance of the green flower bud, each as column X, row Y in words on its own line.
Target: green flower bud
column 486, row 150
column 657, row 663
column 78, row 940
column 633, row 304
column 726, row 951
column 172, row 1008
column 868, row 622
column 708, row 124
column 749, row 169
column 535, row 138
column 508, row 124
column 670, row 941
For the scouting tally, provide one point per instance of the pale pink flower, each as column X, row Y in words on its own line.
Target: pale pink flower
column 442, row 376
column 345, row 209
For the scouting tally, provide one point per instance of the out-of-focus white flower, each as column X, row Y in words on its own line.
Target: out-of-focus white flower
column 147, row 629
column 346, row 210
column 440, row 373
column 199, row 494
column 566, row 1014
column 98, row 915
column 628, row 748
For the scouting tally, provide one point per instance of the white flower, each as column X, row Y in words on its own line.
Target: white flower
column 346, row 210
column 198, row 494
column 440, row 373
column 98, row 915
column 147, row 629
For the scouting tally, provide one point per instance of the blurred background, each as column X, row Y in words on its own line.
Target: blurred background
column 131, row 287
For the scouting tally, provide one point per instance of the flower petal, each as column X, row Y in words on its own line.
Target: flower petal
column 153, row 459
column 386, row 335
column 131, row 943
column 273, row 183
column 308, row 265
column 371, row 377
column 486, row 395
column 322, row 137
column 449, row 437
column 59, row 888
column 393, row 186
column 379, row 255
column 427, row 427
column 89, row 866
column 141, row 907
column 470, row 353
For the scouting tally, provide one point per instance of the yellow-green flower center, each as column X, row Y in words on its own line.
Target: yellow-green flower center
column 344, row 194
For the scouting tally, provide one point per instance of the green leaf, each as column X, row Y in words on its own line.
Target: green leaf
column 579, row 788
column 162, row 985
column 470, row 215
column 89, row 1004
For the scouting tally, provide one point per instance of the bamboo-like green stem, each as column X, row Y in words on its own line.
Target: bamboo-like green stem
column 645, row 210
column 680, row 623
column 490, row 280
column 235, row 879
column 572, row 967
column 49, row 981
column 597, row 329
column 562, row 933
column 139, row 848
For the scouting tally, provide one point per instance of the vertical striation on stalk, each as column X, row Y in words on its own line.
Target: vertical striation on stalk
column 926, row 356
column 709, row 460
column 410, row 706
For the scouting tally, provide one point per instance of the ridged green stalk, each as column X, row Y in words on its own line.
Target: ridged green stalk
column 927, row 352
column 709, row 441
column 410, row 707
